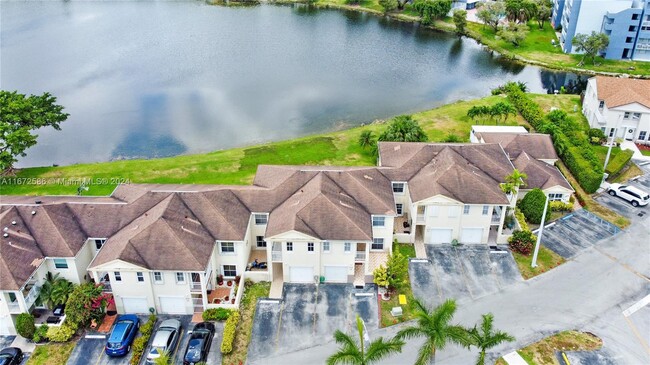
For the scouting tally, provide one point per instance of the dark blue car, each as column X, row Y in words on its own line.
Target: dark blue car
column 124, row 330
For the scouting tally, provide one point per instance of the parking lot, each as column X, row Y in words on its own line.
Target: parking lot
column 5, row 341
column 463, row 272
column 622, row 206
column 309, row 315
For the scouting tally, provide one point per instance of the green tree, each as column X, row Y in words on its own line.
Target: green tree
column 19, row 117
column 520, row 10
column 60, row 291
column 590, row 45
column 543, row 13
column 380, row 276
column 403, row 128
column 388, row 5
column 397, row 267
column 366, row 139
column 514, row 33
column 434, row 326
column 460, row 20
column 452, row 138
column 532, row 205
column 486, row 338
column 517, row 178
column 45, row 296
column 490, row 13
column 78, row 308
column 355, row 353
column 429, row 10
column 25, row 325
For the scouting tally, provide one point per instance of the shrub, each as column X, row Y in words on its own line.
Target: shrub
column 140, row 343
column 561, row 206
column 532, row 205
column 229, row 332
column 521, row 219
column 61, row 333
column 522, row 242
column 388, row 5
column 41, row 333
column 380, row 276
column 596, row 135
column 403, row 128
column 216, row 314
column 25, row 325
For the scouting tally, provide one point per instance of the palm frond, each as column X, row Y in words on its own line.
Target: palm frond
column 345, row 357
column 426, row 353
column 345, row 341
column 410, row 332
column 379, row 349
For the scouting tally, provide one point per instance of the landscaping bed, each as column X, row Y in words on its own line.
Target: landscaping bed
column 543, row 352
column 546, row 260
column 51, row 354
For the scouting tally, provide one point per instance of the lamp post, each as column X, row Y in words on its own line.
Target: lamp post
column 611, row 143
column 539, row 234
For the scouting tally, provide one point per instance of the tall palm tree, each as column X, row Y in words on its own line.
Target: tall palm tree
column 434, row 326
column 60, row 291
column 517, row 178
column 45, row 296
column 366, row 139
column 354, row 353
column 486, row 337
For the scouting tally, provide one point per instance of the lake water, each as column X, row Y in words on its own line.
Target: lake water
column 150, row 79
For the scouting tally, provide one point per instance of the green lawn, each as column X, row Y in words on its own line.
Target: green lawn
column 51, row 354
column 645, row 152
column 238, row 166
column 546, row 260
column 617, row 159
column 406, row 249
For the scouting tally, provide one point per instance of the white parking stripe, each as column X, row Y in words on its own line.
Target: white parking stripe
column 636, row 306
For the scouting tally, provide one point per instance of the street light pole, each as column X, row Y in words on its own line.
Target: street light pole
column 611, row 143
column 539, row 234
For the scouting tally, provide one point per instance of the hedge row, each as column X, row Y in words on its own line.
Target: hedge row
column 229, row 332
column 216, row 314
column 571, row 145
column 140, row 343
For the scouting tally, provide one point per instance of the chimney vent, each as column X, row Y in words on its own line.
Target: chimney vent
column 13, row 223
column 33, row 212
column 5, row 235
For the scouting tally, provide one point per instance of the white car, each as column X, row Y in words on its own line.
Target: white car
column 636, row 197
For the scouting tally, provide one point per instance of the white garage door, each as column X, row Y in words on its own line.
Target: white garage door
column 172, row 305
column 471, row 235
column 336, row 274
column 135, row 305
column 439, row 235
column 302, row 274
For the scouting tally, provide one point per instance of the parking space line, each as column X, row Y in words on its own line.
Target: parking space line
column 465, row 277
column 435, row 273
column 636, row 306
column 277, row 334
column 625, row 266
column 99, row 358
column 637, row 334
column 313, row 325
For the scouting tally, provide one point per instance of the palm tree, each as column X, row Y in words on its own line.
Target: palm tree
column 60, row 291
column 486, row 338
column 356, row 354
column 517, row 178
column 163, row 358
column 366, row 139
column 45, row 296
column 434, row 326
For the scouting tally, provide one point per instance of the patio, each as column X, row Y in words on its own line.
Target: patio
column 47, row 316
column 260, row 255
column 400, row 227
column 220, row 293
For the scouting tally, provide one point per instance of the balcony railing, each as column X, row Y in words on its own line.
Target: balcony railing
column 276, row 255
column 14, row 307
column 195, row 286
column 496, row 219
column 420, row 219
column 360, row 256
column 31, row 297
column 106, row 286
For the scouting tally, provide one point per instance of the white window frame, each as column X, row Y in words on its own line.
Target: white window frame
column 160, row 280
column 117, row 275
column 258, row 242
column 223, row 270
column 62, row 262
column 645, row 134
column 397, row 185
column 99, row 243
column 486, row 210
column 377, row 241
column 347, row 247
column 227, row 253
column 601, row 104
column 553, row 197
column 139, row 276
column 311, row 247
column 626, row 115
column 181, row 276
column 261, row 219
column 399, row 209
column 636, row 116
column 326, row 246
column 466, row 209
column 289, row 246
column 453, row 211
column 377, row 219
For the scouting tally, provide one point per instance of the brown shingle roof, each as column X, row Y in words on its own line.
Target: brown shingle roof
column 540, row 174
column 21, row 255
column 536, row 145
column 622, row 91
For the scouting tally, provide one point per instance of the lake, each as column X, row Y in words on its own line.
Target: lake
column 152, row 79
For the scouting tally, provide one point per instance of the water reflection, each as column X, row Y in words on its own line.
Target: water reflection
column 136, row 86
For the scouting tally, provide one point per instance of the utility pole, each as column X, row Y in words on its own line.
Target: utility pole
column 539, row 234
column 611, row 143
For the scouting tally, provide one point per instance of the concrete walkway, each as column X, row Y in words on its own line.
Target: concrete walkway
column 629, row 145
column 23, row 344
column 514, row 358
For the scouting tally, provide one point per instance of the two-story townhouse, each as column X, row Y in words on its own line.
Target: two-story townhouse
column 619, row 107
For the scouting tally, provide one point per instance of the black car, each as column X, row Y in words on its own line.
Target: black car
column 199, row 343
column 11, row 356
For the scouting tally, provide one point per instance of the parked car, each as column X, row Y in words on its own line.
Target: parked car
column 121, row 337
column 199, row 343
column 165, row 340
column 636, row 197
column 11, row 356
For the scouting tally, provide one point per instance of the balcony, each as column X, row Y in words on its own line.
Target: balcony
column 195, row 286
column 14, row 307
column 276, row 256
column 360, row 256
column 420, row 219
column 32, row 295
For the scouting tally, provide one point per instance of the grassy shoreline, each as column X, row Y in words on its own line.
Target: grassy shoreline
column 238, row 166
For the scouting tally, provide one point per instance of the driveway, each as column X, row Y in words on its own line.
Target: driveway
column 214, row 357
column 622, row 206
column 575, row 232
column 462, row 272
column 308, row 315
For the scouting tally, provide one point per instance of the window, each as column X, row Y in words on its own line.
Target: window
column 433, row 210
column 347, row 247
column 555, row 197
column 636, row 116
column 378, row 221
column 466, row 210
column 486, row 209
column 611, row 132
column 99, row 243
column 377, row 244
column 635, row 16
column 399, row 208
column 398, row 188
column 118, row 276
column 629, row 40
column 180, row 278
column 310, row 246
column 229, row 270
column 601, row 104
column 260, row 241
column 61, row 263
column 157, row 277
column 261, row 219
column 326, row 246
column 140, row 277
column 642, row 135
column 452, row 211
column 626, row 115
column 228, row 247
column 289, row 246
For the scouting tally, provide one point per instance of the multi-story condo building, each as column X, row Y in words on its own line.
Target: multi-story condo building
column 619, row 107
column 626, row 23
column 164, row 248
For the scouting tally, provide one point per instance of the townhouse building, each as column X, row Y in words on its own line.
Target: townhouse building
column 166, row 248
column 619, row 107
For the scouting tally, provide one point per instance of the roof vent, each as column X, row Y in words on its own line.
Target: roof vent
column 5, row 235
column 38, row 202
column 367, row 177
column 13, row 223
column 33, row 212
column 5, row 229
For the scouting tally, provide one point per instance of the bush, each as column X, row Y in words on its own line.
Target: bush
column 403, row 128
column 216, row 314
column 596, row 135
column 521, row 219
column 140, row 343
column 229, row 332
column 61, row 333
column 561, row 206
column 41, row 333
column 522, row 242
column 388, row 5
column 532, row 205
column 25, row 325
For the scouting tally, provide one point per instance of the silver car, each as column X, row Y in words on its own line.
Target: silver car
column 165, row 340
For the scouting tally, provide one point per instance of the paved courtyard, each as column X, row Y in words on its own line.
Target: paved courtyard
column 464, row 272
column 308, row 315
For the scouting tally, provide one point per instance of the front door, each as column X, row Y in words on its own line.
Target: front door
column 629, row 133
